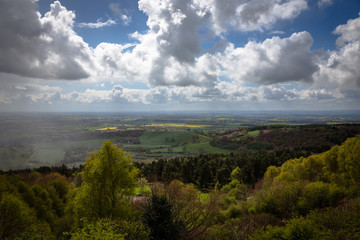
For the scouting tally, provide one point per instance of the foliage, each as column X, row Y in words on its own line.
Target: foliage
column 207, row 169
column 189, row 209
column 331, row 223
column 109, row 176
column 235, row 189
column 159, row 218
column 240, row 228
column 307, row 197
column 15, row 216
column 317, row 181
column 102, row 229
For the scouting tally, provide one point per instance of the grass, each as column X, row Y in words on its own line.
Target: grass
column 252, row 133
column 185, row 125
column 168, row 138
column 203, row 138
column 48, row 153
column 13, row 157
column 173, row 143
column 129, row 147
column 248, row 134
column 204, row 147
column 92, row 143
column 178, row 149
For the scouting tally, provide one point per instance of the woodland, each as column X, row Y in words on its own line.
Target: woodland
column 283, row 193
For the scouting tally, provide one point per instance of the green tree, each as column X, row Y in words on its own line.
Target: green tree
column 189, row 209
column 15, row 216
column 102, row 229
column 160, row 220
column 108, row 177
column 237, row 174
column 235, row 189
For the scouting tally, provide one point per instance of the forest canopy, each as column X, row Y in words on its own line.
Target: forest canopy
column 251, row 195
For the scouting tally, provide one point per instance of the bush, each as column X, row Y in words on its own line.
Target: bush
column 317, row 194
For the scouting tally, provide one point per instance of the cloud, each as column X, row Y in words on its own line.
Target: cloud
column 224, row 92
column 275, row 60
column 348, row 32
column 41, row 47
column 22, row 90
column 277, row 32
column 203, row 72
column 121, row 14
column 27, row 92
column 340, row 69
column 168, row 54
column 324, row 3
column 174, row 24
column 168, row 57
column 98, row 24
column 319, row 94
column 253, row 15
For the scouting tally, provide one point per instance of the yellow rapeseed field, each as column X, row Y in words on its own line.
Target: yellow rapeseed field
column 106, row 128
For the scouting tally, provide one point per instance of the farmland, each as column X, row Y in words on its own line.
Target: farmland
column 177, row 125
column 33, row 140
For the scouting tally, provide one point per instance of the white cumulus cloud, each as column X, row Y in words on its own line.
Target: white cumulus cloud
column 273, row 61
column 341, row 69
column 168, row 57
column 98, row 24
column 253, row 15
column 348, row 32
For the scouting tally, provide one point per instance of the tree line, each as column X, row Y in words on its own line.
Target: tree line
column 207, row 170
column 305, row 197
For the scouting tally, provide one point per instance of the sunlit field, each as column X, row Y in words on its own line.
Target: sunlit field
column 177, row 125
column 38, row 140
column 106, row 128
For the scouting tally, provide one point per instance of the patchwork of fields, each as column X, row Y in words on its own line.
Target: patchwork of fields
column 28, row 141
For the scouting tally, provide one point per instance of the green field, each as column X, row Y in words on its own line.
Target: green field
column 13, row 157
column 205, row 147
column 177, row 125
column 178, row 149
column 169, row 138
column 46, row 154
column 252, row 133
column 172, row 143
column 50, row 153
column 47, row 139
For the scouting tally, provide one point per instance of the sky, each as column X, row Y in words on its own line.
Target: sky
column 179, row 55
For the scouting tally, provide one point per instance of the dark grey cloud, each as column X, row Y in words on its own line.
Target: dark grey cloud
column 40, row 47
column 277, row 94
